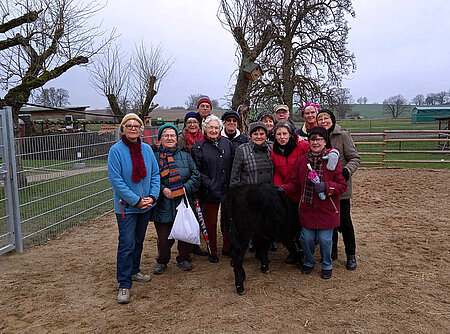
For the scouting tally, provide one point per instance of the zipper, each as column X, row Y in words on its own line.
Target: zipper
column 334, row 206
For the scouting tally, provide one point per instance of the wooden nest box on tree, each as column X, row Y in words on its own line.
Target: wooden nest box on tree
column 252, row 71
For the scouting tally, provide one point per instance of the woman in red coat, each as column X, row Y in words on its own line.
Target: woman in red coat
column 318, row 217
column 285, row 152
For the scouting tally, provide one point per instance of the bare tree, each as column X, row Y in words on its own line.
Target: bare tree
column 52, row 97
column 362, row 100
column 418, row 99
column 307, row 55
column 340, row 101
column 109, row 75
column 431, row 99
column 148, row 68
column 42, row 40
column 130, row 84
column 243, row 19
column 440, row 97
column 395, row 105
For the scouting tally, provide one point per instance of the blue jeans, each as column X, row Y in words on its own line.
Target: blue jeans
column 132, row 230
column 324, row 238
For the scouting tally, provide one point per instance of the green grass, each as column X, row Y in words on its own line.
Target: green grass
column 379, row 125
column 45, row 203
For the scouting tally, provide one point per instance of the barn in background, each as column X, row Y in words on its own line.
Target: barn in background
column 428, row 114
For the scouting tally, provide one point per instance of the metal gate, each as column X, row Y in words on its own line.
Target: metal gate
column 10, row 231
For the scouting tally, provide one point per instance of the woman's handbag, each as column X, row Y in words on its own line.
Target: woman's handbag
column 185, row 227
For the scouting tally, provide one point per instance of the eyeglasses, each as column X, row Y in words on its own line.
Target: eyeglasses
column 191, row 122
column 169, row 136
column 134, row 127
column 312, row 140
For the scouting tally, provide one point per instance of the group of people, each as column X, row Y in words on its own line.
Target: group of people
column 208, row 156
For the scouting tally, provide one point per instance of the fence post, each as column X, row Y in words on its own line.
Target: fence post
column 383, row 157
column 14, row 200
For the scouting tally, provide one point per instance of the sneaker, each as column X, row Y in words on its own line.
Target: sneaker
column 184, row 265
column 199, row 251
column 326, row 274
column 124, row 296
column 159, row 268
column 306, row 270
column 213, row 259
column 351, row 262
column 141, row 277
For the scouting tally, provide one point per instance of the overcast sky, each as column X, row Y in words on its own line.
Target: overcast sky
column 401, row 47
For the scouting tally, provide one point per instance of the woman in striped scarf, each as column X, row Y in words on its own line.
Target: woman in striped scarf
column 178, row 174
column 318, row 217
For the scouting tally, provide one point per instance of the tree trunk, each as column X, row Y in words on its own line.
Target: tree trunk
column 112, row 100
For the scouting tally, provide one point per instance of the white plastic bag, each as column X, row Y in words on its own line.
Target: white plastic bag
column 185, row 227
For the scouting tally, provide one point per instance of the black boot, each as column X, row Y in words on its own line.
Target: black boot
column 351, row 262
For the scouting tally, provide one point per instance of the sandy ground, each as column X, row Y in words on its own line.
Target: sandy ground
column 401, row 285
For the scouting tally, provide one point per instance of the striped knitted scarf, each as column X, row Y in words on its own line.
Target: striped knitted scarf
column 168, row 167
column 137, row 160
column 316, row 164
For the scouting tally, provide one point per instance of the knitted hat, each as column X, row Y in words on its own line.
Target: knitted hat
column 330, row 113
column 204, row 99
column 192, row 114
column 280, row 107
column 318, row 130
column 166, row 126
column 312, row 105
column 284, row 124
column 266, row 114
column 256, row 125
column 128, row 117
column 230, row 113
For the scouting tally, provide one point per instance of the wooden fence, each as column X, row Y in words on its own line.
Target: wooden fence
column 381, row 143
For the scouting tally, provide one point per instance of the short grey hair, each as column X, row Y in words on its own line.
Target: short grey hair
column 210, row 119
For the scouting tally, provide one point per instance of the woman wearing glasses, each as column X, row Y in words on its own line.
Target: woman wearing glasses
column 214, row 158
column 178, row 175
column 191, row 132
column 134, row 176
column 318, row 215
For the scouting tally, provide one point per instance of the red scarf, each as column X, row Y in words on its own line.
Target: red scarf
column 137, row 159
column 307, row 126
column 191, row 140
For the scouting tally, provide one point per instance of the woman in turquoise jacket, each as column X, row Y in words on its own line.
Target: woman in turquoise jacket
column 178, row 175
column 134, row 176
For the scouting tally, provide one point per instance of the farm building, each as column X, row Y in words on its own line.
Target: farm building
column 428, row 114
column 43, row 113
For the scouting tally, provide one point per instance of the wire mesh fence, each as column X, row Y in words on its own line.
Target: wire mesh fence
column 62, row 181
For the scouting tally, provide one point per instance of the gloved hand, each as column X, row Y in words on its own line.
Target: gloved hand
column 333, row 158
column 320, row 187
column 345, row 174
column 279, row 188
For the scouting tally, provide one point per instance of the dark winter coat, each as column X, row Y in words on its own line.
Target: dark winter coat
column 214, row 161
column 166, row 209
column 237, row 140
column 321, row 214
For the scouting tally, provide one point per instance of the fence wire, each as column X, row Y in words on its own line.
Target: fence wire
column 62, row 181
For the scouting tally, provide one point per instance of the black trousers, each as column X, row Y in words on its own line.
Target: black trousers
column 348, row 233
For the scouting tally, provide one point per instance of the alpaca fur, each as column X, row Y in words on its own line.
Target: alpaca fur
column 256, row 212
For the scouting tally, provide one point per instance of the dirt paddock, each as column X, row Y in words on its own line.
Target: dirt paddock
column 401, row 285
